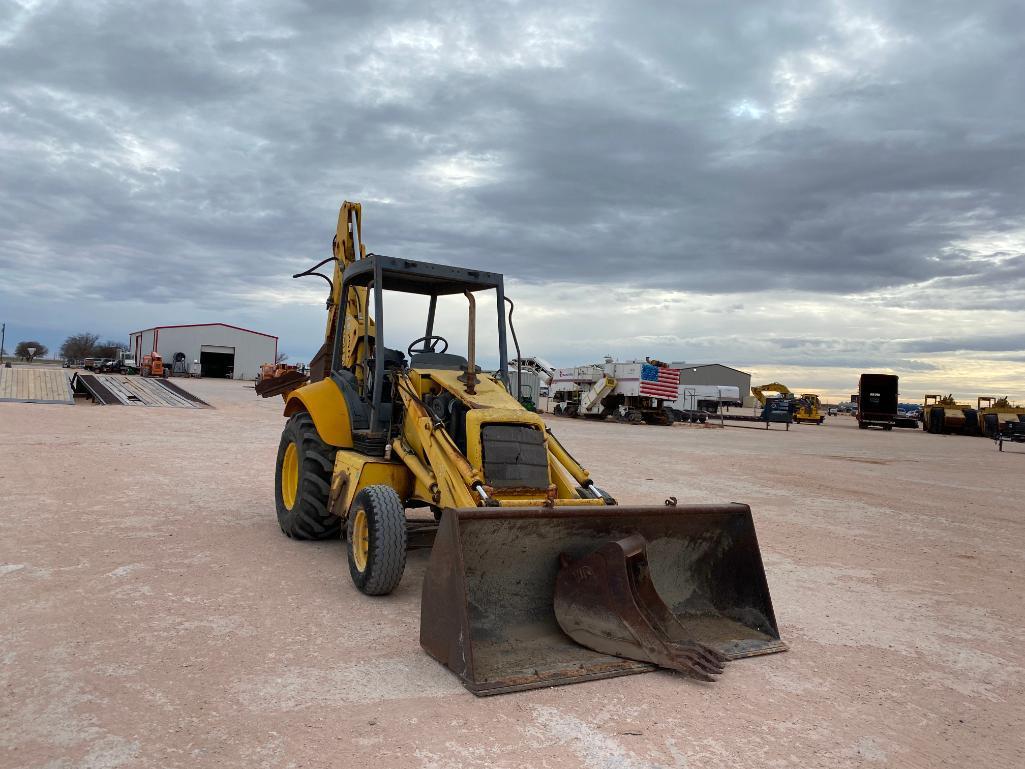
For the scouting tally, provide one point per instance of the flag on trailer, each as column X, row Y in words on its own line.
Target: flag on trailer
column 660, row 382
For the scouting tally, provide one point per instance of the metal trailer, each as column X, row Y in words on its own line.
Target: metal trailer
column 1010, row 432
column 635, row 391
column 696, row 402
column 775, row 411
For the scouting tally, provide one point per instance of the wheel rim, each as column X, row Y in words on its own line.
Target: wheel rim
column 360, row 540
column 290, row 476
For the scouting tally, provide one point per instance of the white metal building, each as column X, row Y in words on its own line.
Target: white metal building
column 223, row 351
column 714, row 374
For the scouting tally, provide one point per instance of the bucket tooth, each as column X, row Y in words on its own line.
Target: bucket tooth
column 606, row 601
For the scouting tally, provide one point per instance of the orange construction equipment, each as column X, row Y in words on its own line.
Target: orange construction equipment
column 279, row 379
column 152, row 364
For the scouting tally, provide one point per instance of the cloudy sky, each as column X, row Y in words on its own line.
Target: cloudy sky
column 803, row 190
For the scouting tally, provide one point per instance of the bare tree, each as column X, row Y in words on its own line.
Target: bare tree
column 78, row 346
column 108, row 349
column 281, row 357
column 39, row 350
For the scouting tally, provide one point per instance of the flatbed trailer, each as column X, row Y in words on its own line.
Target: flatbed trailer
column 775, row 411
column 1010, row 432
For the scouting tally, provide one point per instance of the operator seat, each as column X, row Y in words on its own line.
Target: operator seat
column 393, row 360
column 442, row 360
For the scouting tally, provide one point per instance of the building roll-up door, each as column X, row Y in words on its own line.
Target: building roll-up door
column 216, row 361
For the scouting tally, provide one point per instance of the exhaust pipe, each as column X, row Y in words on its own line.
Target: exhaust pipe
column 471, row 347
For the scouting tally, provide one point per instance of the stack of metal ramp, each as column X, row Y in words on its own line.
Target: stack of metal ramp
column 115, row 390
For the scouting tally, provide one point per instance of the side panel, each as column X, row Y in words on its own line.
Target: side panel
column 326, row 405
column 361, row 471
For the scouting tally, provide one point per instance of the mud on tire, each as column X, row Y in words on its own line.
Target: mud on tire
column 308, row 517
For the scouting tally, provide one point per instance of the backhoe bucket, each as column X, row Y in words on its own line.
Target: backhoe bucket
column 488, row 610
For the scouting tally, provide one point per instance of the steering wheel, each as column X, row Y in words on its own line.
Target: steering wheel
column 430, row 344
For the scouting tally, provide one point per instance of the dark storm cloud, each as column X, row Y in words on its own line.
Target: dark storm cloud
column 200, row 150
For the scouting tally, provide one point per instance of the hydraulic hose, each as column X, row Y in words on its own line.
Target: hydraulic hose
column 516, row 344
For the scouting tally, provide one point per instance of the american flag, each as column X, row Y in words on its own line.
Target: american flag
column 659, row 382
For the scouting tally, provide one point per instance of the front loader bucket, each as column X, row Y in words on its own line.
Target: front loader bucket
column 488, row 613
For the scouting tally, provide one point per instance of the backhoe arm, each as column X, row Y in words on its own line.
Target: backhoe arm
column 772, row 387
column 347, row 248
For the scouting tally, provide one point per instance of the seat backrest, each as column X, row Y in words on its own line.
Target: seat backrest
column 442, row 360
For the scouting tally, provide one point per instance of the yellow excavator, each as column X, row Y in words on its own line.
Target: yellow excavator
column 536, row 576
column 806, row 409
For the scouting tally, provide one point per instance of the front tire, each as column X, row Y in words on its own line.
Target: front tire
column 302, row 482
column 376, row 540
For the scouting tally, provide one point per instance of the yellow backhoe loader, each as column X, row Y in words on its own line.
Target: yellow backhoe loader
column 536, row 576
column 806, row 409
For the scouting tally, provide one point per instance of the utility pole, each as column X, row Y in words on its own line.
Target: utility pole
column 3, row 333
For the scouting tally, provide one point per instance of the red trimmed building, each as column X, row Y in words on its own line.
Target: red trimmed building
column 222, row 350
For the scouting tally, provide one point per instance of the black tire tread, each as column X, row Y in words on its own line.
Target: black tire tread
column 386, row 559
column 309, row 518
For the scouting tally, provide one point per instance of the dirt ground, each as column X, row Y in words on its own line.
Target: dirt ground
column 153, row 615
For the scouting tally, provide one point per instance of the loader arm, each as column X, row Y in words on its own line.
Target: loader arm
column 448, row 478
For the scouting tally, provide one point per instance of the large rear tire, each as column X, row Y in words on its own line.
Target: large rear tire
column 971, row 423
column 302, row 482
column 376, row 540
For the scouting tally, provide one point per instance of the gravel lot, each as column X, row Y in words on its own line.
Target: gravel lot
column 154, row 616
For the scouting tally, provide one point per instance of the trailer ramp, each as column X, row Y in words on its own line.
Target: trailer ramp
column 25, row 384
column 116, row 390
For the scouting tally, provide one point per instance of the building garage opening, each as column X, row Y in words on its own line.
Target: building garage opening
column 217, row 362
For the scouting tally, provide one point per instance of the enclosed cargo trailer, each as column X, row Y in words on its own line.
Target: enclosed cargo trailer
column 877, row 401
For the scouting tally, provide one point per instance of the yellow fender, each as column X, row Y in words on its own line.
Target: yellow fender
column 357, row 471
column 327, row 407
